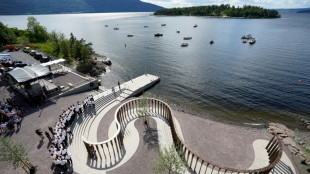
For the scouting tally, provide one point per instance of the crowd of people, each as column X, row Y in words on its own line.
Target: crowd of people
column 10, row 114
column 62, row 130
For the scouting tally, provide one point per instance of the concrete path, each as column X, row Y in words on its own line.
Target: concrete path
column 86, row 126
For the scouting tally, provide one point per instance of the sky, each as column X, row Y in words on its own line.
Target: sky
column 270, row 4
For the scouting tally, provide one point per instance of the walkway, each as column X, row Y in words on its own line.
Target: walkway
column 86, row 126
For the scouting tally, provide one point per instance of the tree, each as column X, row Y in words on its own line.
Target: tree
column 143, row 104
column 7, row 35
column 14, row 153
column 36, row 32
column 169, row 161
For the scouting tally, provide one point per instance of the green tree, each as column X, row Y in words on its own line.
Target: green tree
column 14, row 153
column 7, row 35
column 169, row 161
column 35, row 32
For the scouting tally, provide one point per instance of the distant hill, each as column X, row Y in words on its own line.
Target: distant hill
column 295, row 10
column 21, row 7
column 304, row 11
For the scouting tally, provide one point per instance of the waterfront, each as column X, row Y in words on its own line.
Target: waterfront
column 228, row 79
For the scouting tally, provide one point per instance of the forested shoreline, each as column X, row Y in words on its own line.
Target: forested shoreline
column 247, row 11
column 75, row 51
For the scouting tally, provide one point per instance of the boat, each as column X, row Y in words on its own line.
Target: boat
column 249, row 36
column 252, row 41
column 130, row 35
column 158, row 34
column 211, row 42
column 187, row 38
column 116, row 28
column 163, row 24
column 184, row 44
column 106, row 25
column 195, row 25
column 244, row 41
column 146, row 26
column 178, row 31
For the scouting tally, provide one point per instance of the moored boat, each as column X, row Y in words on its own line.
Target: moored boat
column 249, row 36
column 195, row 25
column 187, row 38
column 211, row 42
column 146, row 26
column 252, row 41
column 163, row 24
column 178, row 31
column 106, row 25
column 158, row 34
column 116, row 28
column 184, row 44
column 130, row 35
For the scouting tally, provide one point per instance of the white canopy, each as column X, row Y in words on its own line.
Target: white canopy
column 29, row 73
column 53, row 62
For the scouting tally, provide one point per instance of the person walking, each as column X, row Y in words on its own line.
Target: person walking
column 39, row 132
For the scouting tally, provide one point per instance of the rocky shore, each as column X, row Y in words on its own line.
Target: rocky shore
column 295, row 141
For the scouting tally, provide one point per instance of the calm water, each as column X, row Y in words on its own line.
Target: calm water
column 228, row 79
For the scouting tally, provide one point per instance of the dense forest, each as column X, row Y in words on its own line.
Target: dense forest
column 19, row 7
column 247, row 11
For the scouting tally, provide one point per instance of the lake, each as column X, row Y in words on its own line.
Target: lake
column 266, row 81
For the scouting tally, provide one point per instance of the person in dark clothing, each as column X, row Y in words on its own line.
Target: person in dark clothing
column 40, row 133
column 51, row 130
column 48, row 136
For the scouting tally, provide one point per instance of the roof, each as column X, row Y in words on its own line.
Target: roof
column 53, row 62
column 29, row 73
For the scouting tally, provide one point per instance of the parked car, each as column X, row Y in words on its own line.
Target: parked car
column 38, row 56
column 26, row 49
column 32, row 52
column 45, row 59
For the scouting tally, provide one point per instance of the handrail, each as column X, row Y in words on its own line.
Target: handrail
column 274, row 147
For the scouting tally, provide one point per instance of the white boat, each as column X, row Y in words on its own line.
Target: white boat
column 195, row 25
column 178, row 31
column 252, row 41
column 184, row 44
column 187, row 38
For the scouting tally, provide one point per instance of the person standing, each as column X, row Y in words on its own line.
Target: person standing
column 119, row 85
column 39, row 132
column 48, row 136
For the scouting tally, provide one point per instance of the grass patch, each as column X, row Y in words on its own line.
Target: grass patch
column 46, row 47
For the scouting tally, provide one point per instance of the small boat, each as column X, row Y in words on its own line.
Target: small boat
column 187, row 38
column 249, row 36
column 252, row 41
column 184, row 44
column 130, row 35
column 211, row 42
column 106, row 25
column 158, row 34
column 195, row 25
column 163, row 25
column 146, row 26
column 178, row 31
column 244, row 41
column 116, row 28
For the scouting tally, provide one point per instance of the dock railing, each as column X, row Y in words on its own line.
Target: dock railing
column 198, row 164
